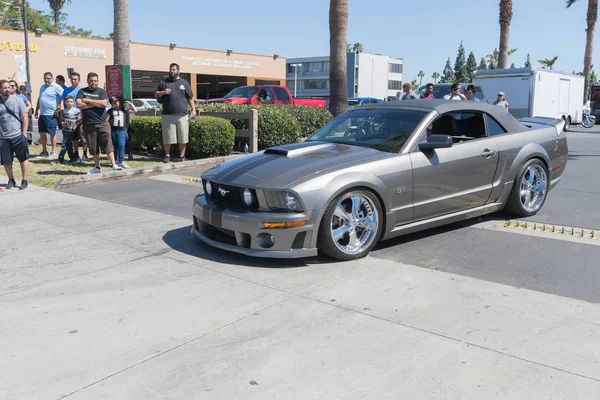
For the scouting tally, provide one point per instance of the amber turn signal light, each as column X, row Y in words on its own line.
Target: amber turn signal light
column 283, row 225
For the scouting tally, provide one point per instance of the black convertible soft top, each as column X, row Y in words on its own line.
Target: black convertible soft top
column 500, row 114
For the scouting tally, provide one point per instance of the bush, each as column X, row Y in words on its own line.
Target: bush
column 311, row 119
column 209, row 136
column 308, row 119
column 276, row 127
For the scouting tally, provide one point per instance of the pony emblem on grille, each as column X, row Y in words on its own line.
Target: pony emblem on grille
column 223, row 192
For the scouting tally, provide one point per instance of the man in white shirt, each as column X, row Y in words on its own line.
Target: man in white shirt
column 470, row 94
column 455, row 93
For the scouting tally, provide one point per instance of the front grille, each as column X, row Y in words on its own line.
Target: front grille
column 228, row 196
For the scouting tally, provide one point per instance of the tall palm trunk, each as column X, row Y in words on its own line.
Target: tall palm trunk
column 505, row 18
column 121, row 32
column 56, row 18
column 592, row 17
column 338, row 27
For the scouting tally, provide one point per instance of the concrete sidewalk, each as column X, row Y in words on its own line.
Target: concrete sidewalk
column 103, row 301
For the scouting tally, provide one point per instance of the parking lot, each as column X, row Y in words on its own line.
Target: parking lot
column 106, row 294
column 555, row 264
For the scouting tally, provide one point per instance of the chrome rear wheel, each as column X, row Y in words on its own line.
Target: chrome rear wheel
column 534, row 186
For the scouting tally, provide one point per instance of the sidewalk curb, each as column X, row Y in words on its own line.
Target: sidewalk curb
column 80, row 180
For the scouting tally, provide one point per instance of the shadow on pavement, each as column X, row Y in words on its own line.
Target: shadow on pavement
column 411, row 237
column 184, row 241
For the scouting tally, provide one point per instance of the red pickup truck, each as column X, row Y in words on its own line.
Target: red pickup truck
column 265, row 94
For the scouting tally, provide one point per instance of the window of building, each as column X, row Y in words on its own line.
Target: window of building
column 394, row 85
column 290, row 85
column 317, row 66
column 396, row 68
column 316, row 84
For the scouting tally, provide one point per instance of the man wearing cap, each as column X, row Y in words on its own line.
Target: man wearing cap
column 502, row 101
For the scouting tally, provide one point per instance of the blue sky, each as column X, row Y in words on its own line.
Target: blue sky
column 424, row 33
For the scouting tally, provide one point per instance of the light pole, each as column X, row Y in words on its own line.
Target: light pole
column 26, row 45
column 296, row 77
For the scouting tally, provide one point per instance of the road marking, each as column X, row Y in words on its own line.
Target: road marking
column 540, row 229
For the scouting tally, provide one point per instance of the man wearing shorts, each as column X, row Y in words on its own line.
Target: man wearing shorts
column 92, row 102
column 175, row 94
column 13, row 134
column 46, row 112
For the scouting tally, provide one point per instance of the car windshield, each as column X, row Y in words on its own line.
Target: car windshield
column 153, row 103
column 380, row 129
column 244, row 92
column 352, row 103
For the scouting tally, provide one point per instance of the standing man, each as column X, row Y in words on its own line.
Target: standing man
column 175, row 94
column 92, row 102
column 78, row 134
column 455, row 93
column 470, row 94
column 408, row 92
column 13, row 134
column 46, row 112
column 428, row 92
column 23, row 91
column 60, row 80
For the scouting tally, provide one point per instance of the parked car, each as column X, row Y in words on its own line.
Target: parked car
column 442, row 89
column 275, row 95
column 359, row 101
column 379, row 171
column 145, row 104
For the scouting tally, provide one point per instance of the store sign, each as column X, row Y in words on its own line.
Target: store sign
column 221, row 62
column 8, row 45
column 85, row 52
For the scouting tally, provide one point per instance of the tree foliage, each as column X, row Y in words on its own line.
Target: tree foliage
column 460, row 65
column 471, row 66
column 448, row 73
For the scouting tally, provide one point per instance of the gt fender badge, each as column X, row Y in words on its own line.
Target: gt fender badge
column 401, row 190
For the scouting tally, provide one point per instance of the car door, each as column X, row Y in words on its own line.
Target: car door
column 457, row 178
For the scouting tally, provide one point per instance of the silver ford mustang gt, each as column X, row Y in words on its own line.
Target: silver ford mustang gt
column 377, row 172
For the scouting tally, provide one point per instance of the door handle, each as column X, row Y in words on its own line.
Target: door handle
column 488, row 153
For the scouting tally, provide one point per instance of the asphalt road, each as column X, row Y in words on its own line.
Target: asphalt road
column 547, row 264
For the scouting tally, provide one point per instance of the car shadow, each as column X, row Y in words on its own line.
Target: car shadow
column 183, row 241
column 412, row 237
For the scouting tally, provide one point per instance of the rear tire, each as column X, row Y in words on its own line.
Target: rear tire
column 351, row 225
column 567, row 124
column 529, row 190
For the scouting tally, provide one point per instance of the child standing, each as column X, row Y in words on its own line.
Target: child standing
column 70, row 119
column 118, row 118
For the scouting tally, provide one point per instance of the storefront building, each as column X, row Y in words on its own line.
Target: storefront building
column 211, row 73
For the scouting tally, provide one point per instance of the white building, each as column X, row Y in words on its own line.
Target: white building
column 369, row 75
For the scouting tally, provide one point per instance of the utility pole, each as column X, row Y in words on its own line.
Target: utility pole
column 28, row 83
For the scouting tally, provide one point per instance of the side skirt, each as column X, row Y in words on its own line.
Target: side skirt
column 443, row 220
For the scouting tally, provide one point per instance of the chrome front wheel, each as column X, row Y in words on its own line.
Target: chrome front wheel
column 351, row 225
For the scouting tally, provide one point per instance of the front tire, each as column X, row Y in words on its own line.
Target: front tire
column 529, row 190
column 351, row 225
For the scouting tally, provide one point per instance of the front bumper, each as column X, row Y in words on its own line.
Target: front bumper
column 242, row 231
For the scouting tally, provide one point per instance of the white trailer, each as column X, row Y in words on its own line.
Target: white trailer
column 535, row 92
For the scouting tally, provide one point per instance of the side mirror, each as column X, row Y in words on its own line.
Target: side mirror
column 436, row 142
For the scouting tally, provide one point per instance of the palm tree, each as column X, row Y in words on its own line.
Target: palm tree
column 505, row 18
column 435, row 76
column 338, row 28
column 548, row 62
column 357, row 48
column 592, row 17
column 421, row 74
column 56, row 6
column 121, row 32
column 348, row 48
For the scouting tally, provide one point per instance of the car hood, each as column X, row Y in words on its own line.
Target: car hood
column 282, row 166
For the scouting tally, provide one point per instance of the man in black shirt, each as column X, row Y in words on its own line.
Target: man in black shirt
column 175, row 94
column 92, row 102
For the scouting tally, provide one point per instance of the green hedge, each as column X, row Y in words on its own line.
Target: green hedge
column 309, row 119
column 209, row 136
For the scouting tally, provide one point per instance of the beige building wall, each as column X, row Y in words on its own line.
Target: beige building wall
column 56, row 53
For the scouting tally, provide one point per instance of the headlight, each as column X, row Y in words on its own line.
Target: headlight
column 208, row 188
column 247, row 197
column 283, row 201
column 291, row 201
